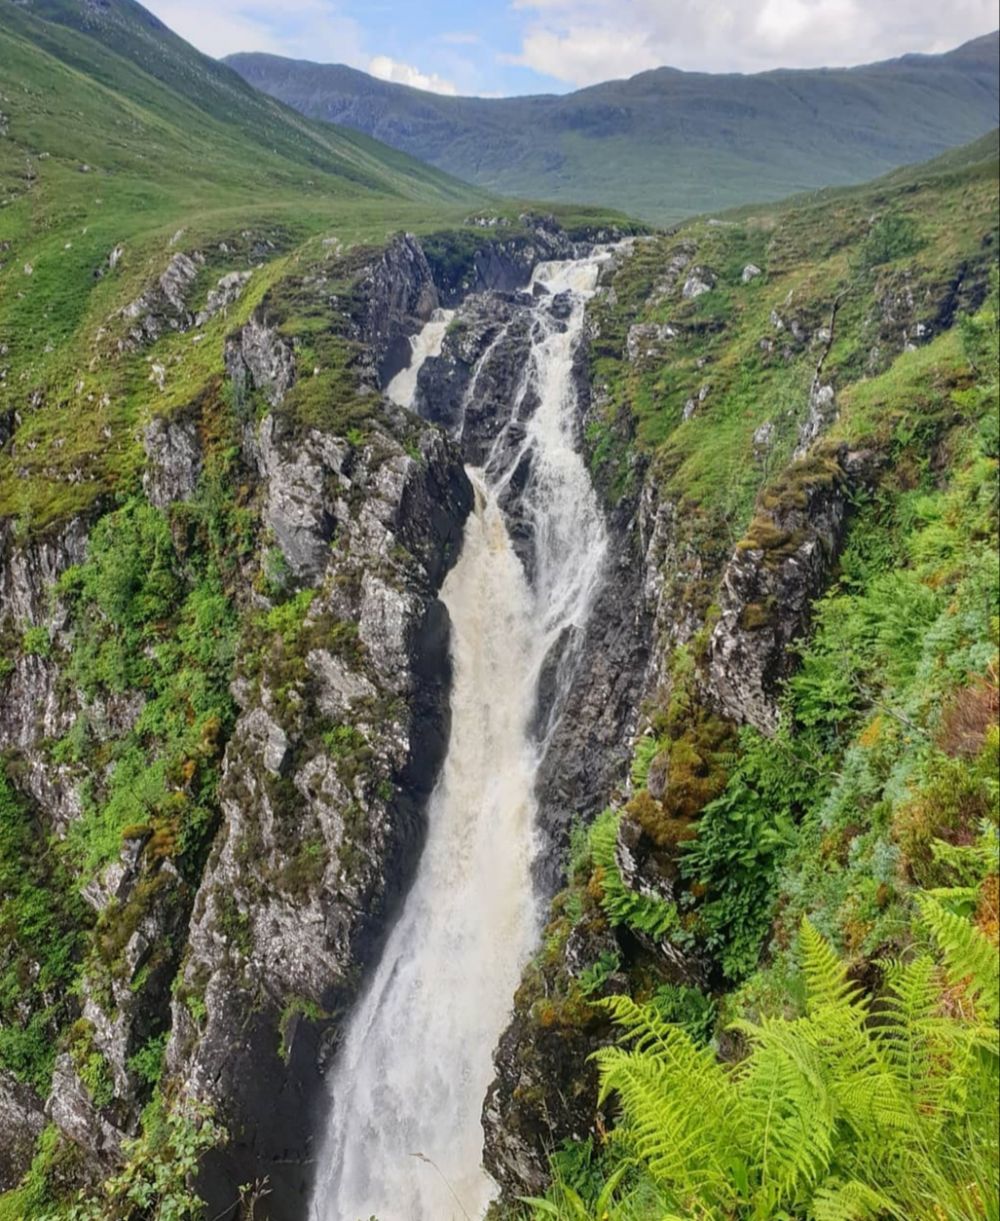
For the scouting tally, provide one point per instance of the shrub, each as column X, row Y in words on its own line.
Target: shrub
column 623, row 905
column 893, row 236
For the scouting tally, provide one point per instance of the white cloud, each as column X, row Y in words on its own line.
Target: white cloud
column 306, row 29
column 302, row 29
column 586, row 54
column 586, row 41
column 405, row 74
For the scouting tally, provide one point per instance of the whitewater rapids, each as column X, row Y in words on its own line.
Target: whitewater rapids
column 404, row 1139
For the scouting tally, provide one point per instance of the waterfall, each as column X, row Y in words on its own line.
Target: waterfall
column 403, row 386
column 404, row 1140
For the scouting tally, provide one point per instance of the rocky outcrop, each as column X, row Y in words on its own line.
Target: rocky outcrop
column 71, row 1108
column 774, row 575
column 165, row 304
column 338, row 744
column 700, row 280
column 545, row 1088
column 226, row 293
column 21, row 1122
column 503, row 263
column 472, row 388
column 173, row 460
column 33, row 705
column 399, row 296
column 258, row 358
column 822, row 413
column 587, row 754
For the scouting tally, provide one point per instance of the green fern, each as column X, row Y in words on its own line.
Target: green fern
column 969, row 956
column 857, row 1111
column 621, row 904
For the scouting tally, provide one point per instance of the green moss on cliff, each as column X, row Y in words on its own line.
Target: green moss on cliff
column 43, row 931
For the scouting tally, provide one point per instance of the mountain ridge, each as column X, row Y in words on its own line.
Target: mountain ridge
column 668, row 143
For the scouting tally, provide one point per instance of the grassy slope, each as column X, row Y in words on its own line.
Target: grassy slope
column 667, row 144
column 99, row 153
column 881, row 781
column 119, row 134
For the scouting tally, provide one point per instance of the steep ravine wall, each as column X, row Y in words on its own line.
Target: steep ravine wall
column 340, row 703
column 339, row 693
column 654, row 603
column 340, row 730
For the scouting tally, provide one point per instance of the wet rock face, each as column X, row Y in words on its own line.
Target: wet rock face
column 400, row 295
column 545, row 1090
column 505, row 264
column 321, row 823
column 471, row 389
column 588, row 753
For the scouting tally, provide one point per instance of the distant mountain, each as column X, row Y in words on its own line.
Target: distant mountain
column 666, row 143
column 206, row 114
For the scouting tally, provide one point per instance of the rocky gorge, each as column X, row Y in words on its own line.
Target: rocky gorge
column 334, row 727
column 234, row 732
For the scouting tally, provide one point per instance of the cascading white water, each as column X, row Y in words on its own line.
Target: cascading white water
column 404, row 1141
column 403, row 386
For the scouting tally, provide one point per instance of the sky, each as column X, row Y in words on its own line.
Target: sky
column 499, row 47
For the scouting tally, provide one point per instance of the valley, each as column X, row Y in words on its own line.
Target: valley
column 498, row 699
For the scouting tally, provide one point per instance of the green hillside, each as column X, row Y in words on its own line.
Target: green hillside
column 667, row 144
column 120, row 146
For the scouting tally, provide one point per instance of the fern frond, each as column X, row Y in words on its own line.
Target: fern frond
column 676, row 1137
column 694, row 1068
column 970, row 957
column 826, row 976
column 919, row 1045
column 852, row 1201
column 789, row 1111
column 622, row 905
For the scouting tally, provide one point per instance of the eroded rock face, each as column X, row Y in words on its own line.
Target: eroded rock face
column 505, row 264
column 322, row 793
column 165, row 304
column 33, row 705
column 772, row 579
column 21, row 1122
column 324, row 779
column 400, row 295
column 545, row 1087
column 173, row 461
column 472, row 388
column 257, row 357
column 228, row 291
column 588, row 753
